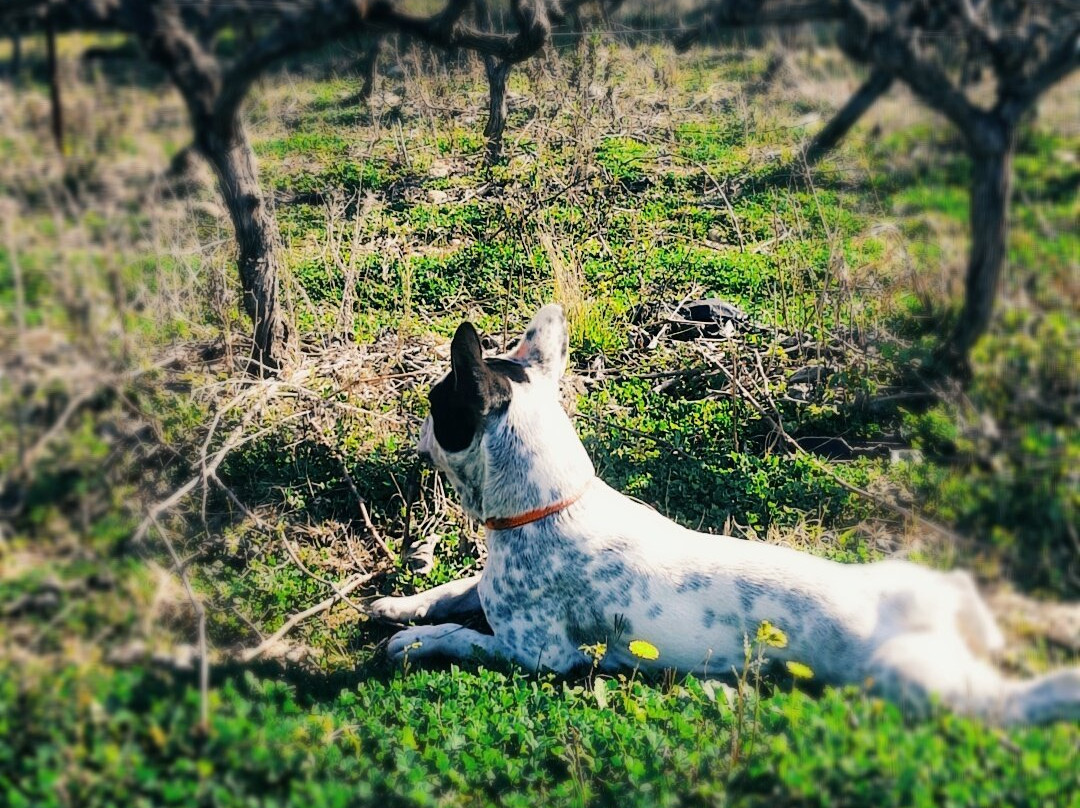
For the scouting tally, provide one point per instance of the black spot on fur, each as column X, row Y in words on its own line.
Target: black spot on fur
column 830, row 639
column 535, row 639
column 591, row 627
column 643, row 589
column 693, row 582
column 501, row 611
column 454, row 419
column 748, row 593
column 796, row 604
column 708, row 618
column 654, row 611
column 611, row 572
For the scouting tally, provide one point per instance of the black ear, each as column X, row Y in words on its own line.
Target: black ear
column 467, row 367
column 470, row 391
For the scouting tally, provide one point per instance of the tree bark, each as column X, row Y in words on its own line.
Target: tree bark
column 369, row 65
column 16, row 55
column 835, row 130
column 498, row 70
column 57, row 112
column 991, row 186
column 226, row 147
column 213, row 99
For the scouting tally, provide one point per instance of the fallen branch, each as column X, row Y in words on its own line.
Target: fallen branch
column 208, row 470
column 254, row 517
column 42, row 443
column 340, row 594
column 200, row 614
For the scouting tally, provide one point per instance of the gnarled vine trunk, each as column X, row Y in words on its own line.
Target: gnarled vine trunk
column 56, row 109
column 226, row 147
column 498, row 71
column 15, row 66
column 991, row 149
column 369, row 67
column 213, row 99
column 833, row 132
column 1027, row 46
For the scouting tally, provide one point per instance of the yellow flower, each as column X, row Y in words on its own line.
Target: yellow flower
column 768, row 634
column 799, row 670
column 644, row 650
column 594, row 652
column 158, row 736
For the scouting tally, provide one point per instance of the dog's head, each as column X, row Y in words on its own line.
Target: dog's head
column 491, row 413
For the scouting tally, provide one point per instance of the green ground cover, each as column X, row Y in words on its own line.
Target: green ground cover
column 635, row 176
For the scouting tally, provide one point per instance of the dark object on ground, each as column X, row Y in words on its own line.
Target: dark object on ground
column 713, row 310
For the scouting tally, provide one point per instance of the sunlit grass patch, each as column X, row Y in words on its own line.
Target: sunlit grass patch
column 321, row 145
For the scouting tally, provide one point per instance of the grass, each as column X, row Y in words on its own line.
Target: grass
column 473, row 735
column 635, row 177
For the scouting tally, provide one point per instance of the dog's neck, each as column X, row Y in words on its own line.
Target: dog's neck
column 533, row 459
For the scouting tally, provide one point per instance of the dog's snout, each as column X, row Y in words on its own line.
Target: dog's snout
column 425, row 444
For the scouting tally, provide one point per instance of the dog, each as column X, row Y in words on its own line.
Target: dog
column 572, row 562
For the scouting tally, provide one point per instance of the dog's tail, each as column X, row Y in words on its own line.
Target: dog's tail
column 983, row 691
column 1051, row 697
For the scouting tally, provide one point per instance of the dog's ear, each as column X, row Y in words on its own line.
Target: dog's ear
column 468, row 373
column 546, row 342
column 469, row 392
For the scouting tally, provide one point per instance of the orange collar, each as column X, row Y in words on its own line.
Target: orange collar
column 510, row 522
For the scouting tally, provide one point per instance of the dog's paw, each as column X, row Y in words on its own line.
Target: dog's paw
column 396, row 610
column 407, row 643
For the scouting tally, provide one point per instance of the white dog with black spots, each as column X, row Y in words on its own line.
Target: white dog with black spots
column 572, row 561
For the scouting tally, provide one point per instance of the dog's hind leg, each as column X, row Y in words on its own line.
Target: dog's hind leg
column 447, row 640
column 457, row 599
column 974, row 618
column 915, row 667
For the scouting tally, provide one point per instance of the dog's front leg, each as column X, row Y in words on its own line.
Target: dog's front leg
column 445, row 640
column 457, row 599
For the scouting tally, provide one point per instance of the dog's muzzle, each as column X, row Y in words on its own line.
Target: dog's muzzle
column 424, row 444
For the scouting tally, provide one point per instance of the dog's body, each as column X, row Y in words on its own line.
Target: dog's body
column 583, row 564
